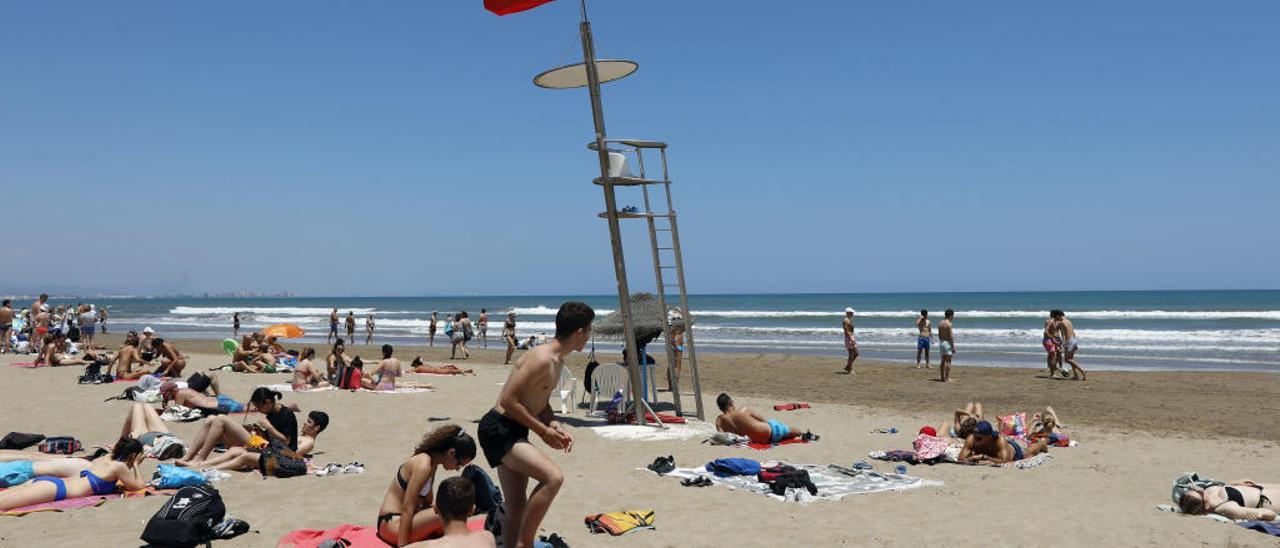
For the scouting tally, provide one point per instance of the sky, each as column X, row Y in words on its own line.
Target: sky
column 400, row 148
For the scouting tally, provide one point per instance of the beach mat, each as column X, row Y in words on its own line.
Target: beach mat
column 83, row 502
column 833, row 482
column 286, row 387
column 25, row 364
column 634, row 432
column 359, row 536
column 763, row 446
column 791, row 406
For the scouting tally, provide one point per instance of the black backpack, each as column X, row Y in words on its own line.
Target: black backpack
column 187, row 519
column 280, row 461
column 73, row 333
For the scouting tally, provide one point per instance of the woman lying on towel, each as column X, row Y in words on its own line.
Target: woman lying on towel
column 419, row 367
column 280, row 425
column 1243, row 499
column 405, row 516
column 18, row 467
column 985, row 445
column 51, row 354
column 144, row 424
column 242, row 458
column 100, row 478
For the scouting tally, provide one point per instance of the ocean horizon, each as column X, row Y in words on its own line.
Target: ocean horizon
column 1216, row 330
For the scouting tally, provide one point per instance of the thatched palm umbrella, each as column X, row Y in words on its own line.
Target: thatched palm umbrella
column 648, row 320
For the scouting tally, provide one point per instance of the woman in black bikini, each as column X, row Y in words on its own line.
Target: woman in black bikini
column 411, row 490
column 1243, row 499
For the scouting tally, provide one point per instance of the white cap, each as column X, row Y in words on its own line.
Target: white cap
column 848, row 311
column 148, row 330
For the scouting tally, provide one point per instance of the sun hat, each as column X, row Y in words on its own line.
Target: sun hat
column 984, row 428
column 147, row 330
column 928, row 430
column 848, row 311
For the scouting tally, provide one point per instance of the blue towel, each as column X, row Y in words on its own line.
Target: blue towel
column 1269, row 527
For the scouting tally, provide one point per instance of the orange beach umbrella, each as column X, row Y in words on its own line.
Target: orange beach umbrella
column 283, row 331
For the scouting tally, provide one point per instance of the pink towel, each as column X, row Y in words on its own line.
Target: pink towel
column 360, row 536
column 763, row 446
column 82, row 502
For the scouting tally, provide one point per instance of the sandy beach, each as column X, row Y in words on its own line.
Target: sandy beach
column 1137, row 431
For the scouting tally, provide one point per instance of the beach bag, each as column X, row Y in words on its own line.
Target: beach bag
column 1014, row 425
column 168, row 447
column 187, row 519
column 733, row 467
column 349, row 377
column 448, row 329
column 466, row 332
column 928, row 447
column 488, row 499
column 280, row 461
column 60, row 445
column 168, row 476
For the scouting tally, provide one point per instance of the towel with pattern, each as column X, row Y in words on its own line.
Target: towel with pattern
column 833, row 482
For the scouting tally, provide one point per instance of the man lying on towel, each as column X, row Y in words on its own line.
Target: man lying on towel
column 745, row 422
column 985, row 445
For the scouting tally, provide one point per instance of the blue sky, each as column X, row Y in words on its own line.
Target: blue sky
column 398, row 147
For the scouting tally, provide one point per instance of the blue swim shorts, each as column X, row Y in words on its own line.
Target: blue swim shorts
column 923, row 343
column 16, row 473
column 777, row 431
column 228, row 405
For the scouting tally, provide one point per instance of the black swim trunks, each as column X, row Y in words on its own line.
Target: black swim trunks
column 498, row 434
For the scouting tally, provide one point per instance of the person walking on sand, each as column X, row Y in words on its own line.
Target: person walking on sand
column 850, row 340
column 1070, row 344
column 6, row 325
column 946, row 344
column 368, row 329
column 235, row 325
column 523, row 406
column 333, row 326
column 509, row 335
column 924, row 338
column 351, row 326
column 482, row 327
column 431, row 329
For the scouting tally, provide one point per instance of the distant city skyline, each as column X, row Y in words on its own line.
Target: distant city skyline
column 401, row 148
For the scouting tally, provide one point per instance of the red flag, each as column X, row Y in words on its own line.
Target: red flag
column 506, row 7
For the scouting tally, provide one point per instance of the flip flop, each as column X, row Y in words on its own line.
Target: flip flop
column 862, row 465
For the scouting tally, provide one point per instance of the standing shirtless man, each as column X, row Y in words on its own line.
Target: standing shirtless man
column 1070, row 344
column 482, row 325
column 522, row 407
column 850, row 341
column 351, row 326
column 6, row 325
column 333, row 326
column 946, row 344
column 431, row 329
column 924, row 338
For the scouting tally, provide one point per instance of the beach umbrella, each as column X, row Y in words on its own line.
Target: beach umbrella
column 648, row 320
column 283, row 331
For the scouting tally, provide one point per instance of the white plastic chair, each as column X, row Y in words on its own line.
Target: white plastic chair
column 608, row 379
column 567, row 388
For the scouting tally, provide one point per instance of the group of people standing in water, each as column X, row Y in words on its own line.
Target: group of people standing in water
column 1059, row 341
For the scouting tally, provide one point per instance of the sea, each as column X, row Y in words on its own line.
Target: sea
column 1118, row 330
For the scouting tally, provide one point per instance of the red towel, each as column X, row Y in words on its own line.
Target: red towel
column 790, row 406
column 763, row 446
column 664, row 417
column 360, row 536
